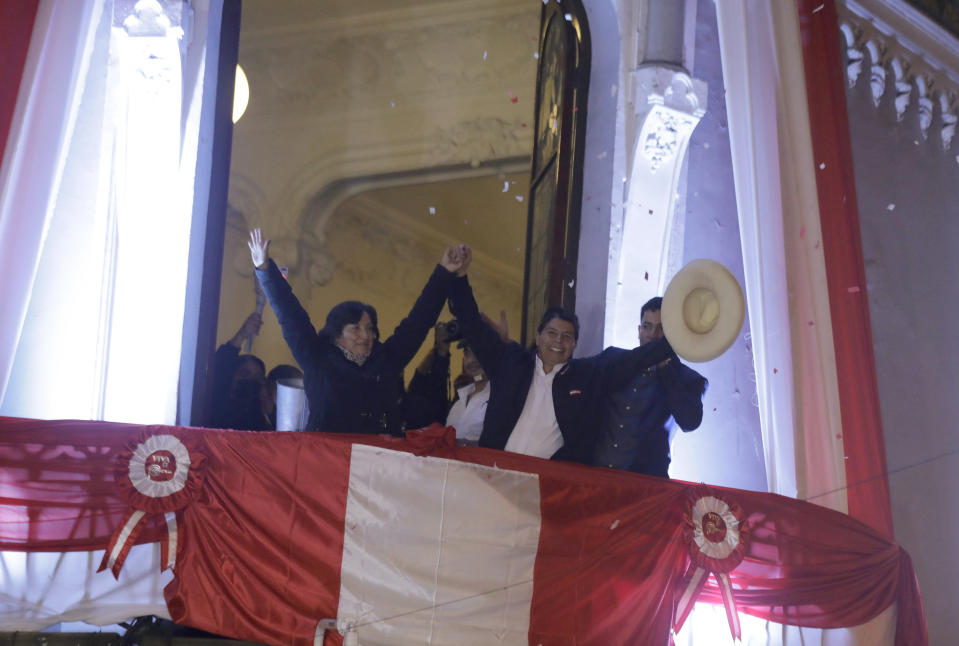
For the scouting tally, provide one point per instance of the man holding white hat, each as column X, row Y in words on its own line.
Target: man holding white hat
column 635, row 434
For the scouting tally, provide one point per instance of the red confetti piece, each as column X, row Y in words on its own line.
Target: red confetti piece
column 714, row 410
column 802, row 232
column 775, row 370
column 852, row 290
column 575, row 108
column 650, row 211
column 515, row 99
column 816, row 246
column 646, row 277
column 838, row 436
column 589, row 197
column 491, row 149
column 523, row 124
column 811, row 323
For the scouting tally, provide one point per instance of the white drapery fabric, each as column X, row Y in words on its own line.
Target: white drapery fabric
column 784, row 268
column 95, row 214
column 774, row 173
column 47, row 104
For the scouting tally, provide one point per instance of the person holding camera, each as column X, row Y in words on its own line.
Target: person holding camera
column 353, row 381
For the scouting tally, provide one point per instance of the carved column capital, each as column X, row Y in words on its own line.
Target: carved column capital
column 669, row 104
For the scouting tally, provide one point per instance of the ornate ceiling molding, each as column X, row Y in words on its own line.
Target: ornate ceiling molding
column 910, row 60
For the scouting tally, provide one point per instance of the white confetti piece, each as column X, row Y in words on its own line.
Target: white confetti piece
column 890, row 207
column 819, row 8
column 612, row 90
column 706, row 145
column 519, row 198
column 615, row 524
column 568, row 16
column 601, row 155
column 571, row 283
column 822, row 165
column 432, row 210
column 505, row 186
column 484, row 56
column 536, row 55
column 392, row 104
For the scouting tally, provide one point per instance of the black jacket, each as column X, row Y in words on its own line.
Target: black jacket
column 635, row 431
column 343, row 396
column 578, row 389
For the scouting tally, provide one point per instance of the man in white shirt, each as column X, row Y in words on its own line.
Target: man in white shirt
column 542, row 402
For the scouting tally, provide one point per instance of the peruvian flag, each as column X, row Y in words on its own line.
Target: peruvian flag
column 323, row 538
column 312, row 538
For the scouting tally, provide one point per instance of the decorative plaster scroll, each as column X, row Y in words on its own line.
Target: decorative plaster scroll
column 669, row 105
column 900, row 68
column 854, row 53
column 923, row 88
column 947, row 108
column 877, row 72
column 917, row 55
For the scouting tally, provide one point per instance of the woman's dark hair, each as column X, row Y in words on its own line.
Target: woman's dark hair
column 561, row 314
column 344, row 314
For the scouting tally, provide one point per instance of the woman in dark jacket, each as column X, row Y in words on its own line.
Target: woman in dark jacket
column 353, row 382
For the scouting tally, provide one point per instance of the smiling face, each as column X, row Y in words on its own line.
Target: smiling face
column 358, row 337
column 555, row 343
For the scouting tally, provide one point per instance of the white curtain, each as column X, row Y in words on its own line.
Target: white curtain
column 95, row 217
column 774, row 174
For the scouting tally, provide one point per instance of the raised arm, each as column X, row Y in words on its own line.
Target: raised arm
column 684, row 388
column 408, row 336
column 485, row 341
column 619, row 366
column 298, row 331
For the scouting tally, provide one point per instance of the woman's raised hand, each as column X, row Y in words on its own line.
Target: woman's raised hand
column 259, row 248
column 457, row 259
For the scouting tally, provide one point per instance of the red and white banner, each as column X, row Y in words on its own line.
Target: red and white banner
column 417, row 540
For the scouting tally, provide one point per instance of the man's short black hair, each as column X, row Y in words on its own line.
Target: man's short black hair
column 561, row 314
column 284, row 371
column 652, row 305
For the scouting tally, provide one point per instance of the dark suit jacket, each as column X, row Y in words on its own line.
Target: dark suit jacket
column 578, row 389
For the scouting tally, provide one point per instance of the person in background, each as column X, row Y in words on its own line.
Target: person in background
column 636, row 430
column 239, row 393
column 353, row 380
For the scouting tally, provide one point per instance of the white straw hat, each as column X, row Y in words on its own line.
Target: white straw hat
column 703, row 310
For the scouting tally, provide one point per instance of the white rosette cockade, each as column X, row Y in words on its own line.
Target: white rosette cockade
column 158, row 474
column 717, row 534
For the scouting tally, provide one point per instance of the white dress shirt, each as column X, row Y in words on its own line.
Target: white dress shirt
column 537, row 431
column 468, row 412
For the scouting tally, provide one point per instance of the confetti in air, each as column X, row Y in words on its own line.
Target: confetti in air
column 890, row 207
column 432, row 210
column 853, row 289
column 646, row 277
column 505, row 186
column 571, row 283
column 802, row 232
column 515, row 99
column 484, row 55
column 519, row 198
column 615, row 524
column 536, row 55
column 601, row 155
column 822, row 165
column 568, row 16
column 819, row 8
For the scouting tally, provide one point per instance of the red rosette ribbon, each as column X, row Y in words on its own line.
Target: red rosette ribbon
column 159, row 473
column 717, row 533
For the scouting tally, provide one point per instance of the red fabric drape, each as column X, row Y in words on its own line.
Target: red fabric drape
column 868, row 486
column 259, row 549
column 16, row 26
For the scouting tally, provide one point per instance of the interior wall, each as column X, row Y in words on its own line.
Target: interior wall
column 907, row 188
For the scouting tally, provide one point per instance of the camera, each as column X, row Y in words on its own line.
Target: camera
column 453, row 331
